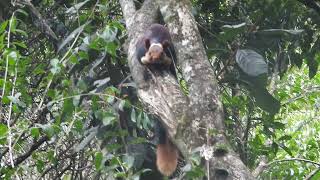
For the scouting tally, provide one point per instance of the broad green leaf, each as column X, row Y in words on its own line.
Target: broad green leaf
column 73, row 35
column 265, row 100
column 15, row 99
column 13, row 24
column 285, row 138
column 109, row 34
column 251, row 62
column 21, row 32
column 121, row 105
column 48, row 129
column 35, row 133
column 133, row 115
column 40, row 165
column 21, row 11
column 82, row 85
column 3, row 133
column 287, row 150
column 108, row 118
column 67, row 177
column 280, row 32
column 146, row 123
column 3, row 26
column 129, row 160
column 111, row 48
column 68, row 107
column 139, row 120
column 86, row 140
column 313, row 65
column 13, row 57
column 229, row 32
column 98, row 160
column 76, row 7
column 76, row 100
column 55, row 66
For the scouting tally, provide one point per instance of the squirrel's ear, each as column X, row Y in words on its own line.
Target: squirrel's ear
column 147, row 43
column 165, row 44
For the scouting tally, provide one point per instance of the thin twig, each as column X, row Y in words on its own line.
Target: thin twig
column 34, row 147
column 12, row 93
column 294, row 159
column 89, row 94
column 312, row 174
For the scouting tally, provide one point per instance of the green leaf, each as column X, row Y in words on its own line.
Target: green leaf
column 3, row 133
column 81, row 84
column 313, row 65
column 40, row 165
column 146, row 123
column 51, row 93
column 265, row 100
column 121, row 105
column 129, row 160
column 55, row 66
column 98, row 160
column 285, row 148
column 251, row 62
column 86, row 140
column 111, row 48
column 15, row 99
column 19, row 31
column 121, row 175
column 229, row 32
column 280, row 32
column 83, row 55
column 133, row 115
column 110, row 99
column 13, row 57
column 275, row 147
column 109, row 34
column 108, row 118
column 67, row 177
column 75, row 8
column 48, row 129
column 68, row 107
column 76, row 100
column 139, row 120
column 278, row 125
column 3, row 26
column 5, row 100
column 78, row 125
column 138, row 140
column 13, row 24
column 72, row 35
column 21, row 11
column 35, row 133
column 51, row 156
column 20, row 44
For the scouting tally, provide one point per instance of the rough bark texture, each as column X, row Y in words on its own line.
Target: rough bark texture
column 194, row 120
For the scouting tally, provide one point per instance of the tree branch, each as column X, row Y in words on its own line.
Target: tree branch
column 311, row 4
column 187, row 119
column 263, row 165
column 41, row 24
column 128, row 9
column 204, row 97
column 34, row 147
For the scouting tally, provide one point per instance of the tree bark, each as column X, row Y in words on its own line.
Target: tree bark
column 194, row 121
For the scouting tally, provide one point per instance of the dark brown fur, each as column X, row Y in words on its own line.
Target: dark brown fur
column 148, row 53
column 155, row 48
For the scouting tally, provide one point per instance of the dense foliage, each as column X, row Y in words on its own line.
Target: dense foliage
column 69, row 108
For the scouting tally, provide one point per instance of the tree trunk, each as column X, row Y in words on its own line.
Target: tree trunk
column 194, row 121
